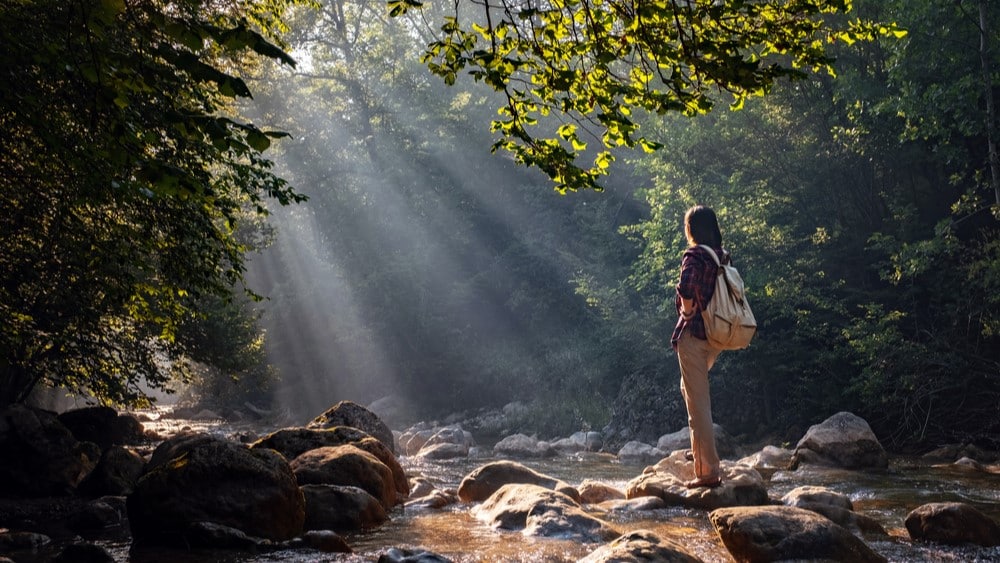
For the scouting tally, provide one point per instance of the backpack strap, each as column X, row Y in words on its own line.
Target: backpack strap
column 712, row 252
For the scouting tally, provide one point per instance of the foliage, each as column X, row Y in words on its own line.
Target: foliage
column 596, row 61
column 124, row 176
column 858, row 211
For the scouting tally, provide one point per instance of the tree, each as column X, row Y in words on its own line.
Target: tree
column 124, row 173
column 594, row 62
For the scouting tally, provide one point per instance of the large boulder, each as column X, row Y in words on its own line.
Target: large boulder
column 219, row 482
column 338, row 508
column 952, row 523
column 347, row 465
column 348, row 413
column 39, row 456
column 640, row 546
column 103, row 426
column 843, row 440
column 485, row 480
column 537, row 511
column 741, row 485
column 293, row 442
column 778, row 533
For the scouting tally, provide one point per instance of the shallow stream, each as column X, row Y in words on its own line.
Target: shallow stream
column 455, row 533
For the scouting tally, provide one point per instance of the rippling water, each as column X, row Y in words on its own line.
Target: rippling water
column 454, row 532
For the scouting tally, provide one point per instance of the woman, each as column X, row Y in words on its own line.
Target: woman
column 694, row 353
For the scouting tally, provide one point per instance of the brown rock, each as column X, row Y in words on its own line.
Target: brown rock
column 293, row 442
column 39, row 456
column 539, row 511
column 487, row 479
column 952, row 523
column 220, row 482
column 777, row 533
column 347, row 465
column 640, row 546
column 348, row 413
column 741, row 485
column 340, row 508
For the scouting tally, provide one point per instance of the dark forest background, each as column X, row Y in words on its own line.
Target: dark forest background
column 861, row 210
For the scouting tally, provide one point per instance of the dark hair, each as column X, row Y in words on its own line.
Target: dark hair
column 702, row 227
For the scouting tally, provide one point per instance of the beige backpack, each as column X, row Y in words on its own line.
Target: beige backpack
column 729, row 322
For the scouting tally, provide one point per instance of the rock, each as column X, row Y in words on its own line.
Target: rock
column 421, row 486
column 640, row 546
column 293, row 442
column 176, row 446
column 453, row 434
column 39, row 456
column 681, row 440
column 593, row 492
column 347, row 413
column 341, row 508
column 777, row 533
column 219, row 536
column 18, row 541
column 99, row 514
column 816, row 495
column 392, row 409
column 952, row 523
column 769, row 460
column 326, row 541
column 215, row 481
column 843, row 440
column 434, row 500
column 637, row 504
column 953, row 452
column 116, row 473
column 538, row 511
column 103, row 426
column 443, row 451
column 847, row 518
column 482, row 482
column 413, row 440
column 639, row 453
column 741, row 485
column 350, row 466
column 83, row 553
column 521, row 446
column 579, row 442
column 409, row 555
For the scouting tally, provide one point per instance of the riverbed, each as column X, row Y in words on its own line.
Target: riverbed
column 454, row 532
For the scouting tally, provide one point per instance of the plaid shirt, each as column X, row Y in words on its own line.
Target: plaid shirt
column 698, row 272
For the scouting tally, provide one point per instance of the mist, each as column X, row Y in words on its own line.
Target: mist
column 422, row 267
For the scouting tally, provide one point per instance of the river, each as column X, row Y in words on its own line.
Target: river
column 454, row 532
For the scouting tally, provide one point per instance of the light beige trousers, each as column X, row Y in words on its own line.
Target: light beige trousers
column 696, row 357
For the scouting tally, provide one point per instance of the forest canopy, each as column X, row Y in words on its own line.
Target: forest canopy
column 860, row 204
column 126, row 178
column 592, row 63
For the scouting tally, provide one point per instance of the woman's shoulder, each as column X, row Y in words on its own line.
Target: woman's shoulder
column 700, row 254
